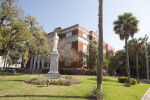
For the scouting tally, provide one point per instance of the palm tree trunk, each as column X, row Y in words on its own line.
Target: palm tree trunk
column 127, row 62
column 147, row 65
column 137, row 68
column 100, row 48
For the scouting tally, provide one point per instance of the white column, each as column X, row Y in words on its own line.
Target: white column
column 43, row 61
column 34, row 66
column 38, row 63
column 48, row 64
column 31, row 61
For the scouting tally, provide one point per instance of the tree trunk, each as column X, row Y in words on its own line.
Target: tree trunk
column 7, row 61
column 4, row 63
column 147, row 65
column 127, row 62
column 22, row 63
column 23, row 60
column 137, row 68
column 100, row 48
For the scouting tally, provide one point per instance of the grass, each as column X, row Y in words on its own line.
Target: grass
column 14, row 88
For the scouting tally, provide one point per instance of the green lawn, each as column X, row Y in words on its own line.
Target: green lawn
column 14, row 88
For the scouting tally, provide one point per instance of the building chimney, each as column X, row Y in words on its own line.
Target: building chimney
column 59, row 28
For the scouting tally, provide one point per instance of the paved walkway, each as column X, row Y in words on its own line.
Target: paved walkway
column 146, row 95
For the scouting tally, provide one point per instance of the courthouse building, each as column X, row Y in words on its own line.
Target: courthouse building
column 76, row 37
column 79, row 38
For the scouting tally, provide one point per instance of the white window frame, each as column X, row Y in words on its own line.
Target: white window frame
column 67, row 62
column 84, row 60
column 84, row 48
column 85, row 35
column 69, row 34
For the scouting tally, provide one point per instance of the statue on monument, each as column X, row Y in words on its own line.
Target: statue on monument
column 53, row 72
column 55, row 41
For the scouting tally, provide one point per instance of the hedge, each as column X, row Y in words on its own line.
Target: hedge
column 125, row 79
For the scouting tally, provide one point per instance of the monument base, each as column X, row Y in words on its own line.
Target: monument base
column 52, row 76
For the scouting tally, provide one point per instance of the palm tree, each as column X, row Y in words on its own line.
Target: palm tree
column 100, row 48
column 146, row 56
column 126, row 26
column 136, row 46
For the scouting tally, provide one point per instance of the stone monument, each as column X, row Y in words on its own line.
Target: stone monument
column 53, row 72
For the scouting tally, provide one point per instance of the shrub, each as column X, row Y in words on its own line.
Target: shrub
column 125, row 79
column 73, row 71
column 104, row 72
column 133, row 81
column 67, row 81
column 96, row 95
column 1, row 70
column 37, row 81
column 79, row 71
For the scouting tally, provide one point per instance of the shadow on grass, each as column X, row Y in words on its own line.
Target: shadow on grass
column 110, row 80
column 10, row 74
column 144, row 81
column 13, row 80
column 42, row 86
column 50, row 96
column 113, row 85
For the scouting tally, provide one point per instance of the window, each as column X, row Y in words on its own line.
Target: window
column 84, row 48
column 68, row 46
column 96, row 40
column 69, row 34
column 84, row 60
column 67, row 62
column 84, row 35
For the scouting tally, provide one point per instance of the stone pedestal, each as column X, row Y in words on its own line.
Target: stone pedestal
column 53, row 72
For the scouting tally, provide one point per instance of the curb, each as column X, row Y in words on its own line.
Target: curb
column 144, row 96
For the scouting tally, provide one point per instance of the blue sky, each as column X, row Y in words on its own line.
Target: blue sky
column 54, row 13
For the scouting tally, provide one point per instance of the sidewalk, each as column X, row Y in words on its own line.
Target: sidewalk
column 146, row 95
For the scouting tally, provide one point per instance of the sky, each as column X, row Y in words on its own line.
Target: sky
column 64, row 13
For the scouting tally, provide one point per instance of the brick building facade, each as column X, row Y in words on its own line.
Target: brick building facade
column 79, row 38
column 76, row 37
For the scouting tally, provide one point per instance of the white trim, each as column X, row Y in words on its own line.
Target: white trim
column 84, row 31
column 85, row 41
column 70, row 39
column 68, row 30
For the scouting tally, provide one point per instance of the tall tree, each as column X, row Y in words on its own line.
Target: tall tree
column 136, row 46
column 126, row 26
column 38, row 45
column 9, row 11
column 100, row 48
column 146, row 56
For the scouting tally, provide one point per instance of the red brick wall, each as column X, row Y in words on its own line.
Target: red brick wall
column 75, row 32
column 108, row 47
column 80, row 32
column 62, row 35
